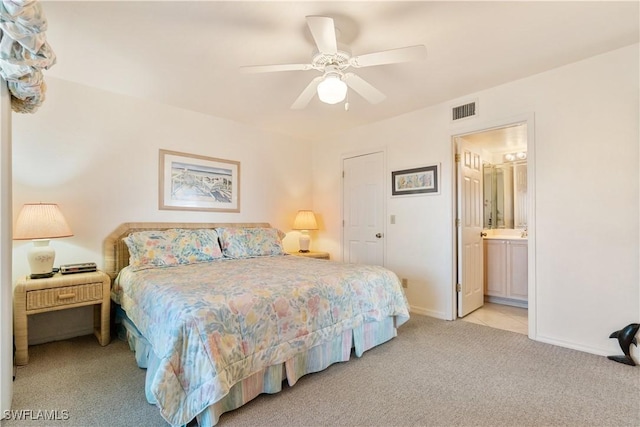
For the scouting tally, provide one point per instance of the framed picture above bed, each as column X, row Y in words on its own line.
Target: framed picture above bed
column 422, row 180
column 198, row 183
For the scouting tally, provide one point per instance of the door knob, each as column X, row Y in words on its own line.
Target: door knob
column 379, row 235
column 483, row 234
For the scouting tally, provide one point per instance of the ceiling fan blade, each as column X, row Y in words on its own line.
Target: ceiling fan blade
column 363, row 88
column 393, row 56
column 323, row 31
column 252, row 69
column 307, row 94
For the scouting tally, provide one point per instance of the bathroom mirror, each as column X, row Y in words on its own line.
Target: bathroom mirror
column 505, row 195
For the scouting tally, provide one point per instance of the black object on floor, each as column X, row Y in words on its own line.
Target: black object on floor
column 626, row 336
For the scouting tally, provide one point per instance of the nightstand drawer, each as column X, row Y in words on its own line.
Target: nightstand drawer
column 44, row 298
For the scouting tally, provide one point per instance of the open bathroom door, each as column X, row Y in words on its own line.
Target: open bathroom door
column 470, row 284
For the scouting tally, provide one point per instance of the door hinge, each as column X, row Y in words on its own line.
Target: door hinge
column 458, row 287
column 457, row 157
column 457, row 222
column 343, row 174
column 343, row 223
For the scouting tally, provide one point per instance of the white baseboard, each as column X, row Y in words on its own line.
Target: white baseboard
column 427, row 312
column 573, row 346
column 507, row 301
column 65, row 335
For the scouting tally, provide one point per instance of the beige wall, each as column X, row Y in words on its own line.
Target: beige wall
column 586, row 196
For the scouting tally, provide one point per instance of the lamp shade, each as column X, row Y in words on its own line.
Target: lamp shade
column 41, row 221
column 305, row 220
column 332, row 89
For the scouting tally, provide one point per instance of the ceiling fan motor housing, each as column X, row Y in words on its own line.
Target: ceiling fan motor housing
column 340, row 59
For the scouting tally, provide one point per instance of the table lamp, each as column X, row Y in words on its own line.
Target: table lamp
column 41, row 222
column 305, row 221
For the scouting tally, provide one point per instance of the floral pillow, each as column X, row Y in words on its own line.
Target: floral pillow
column 155, row 248
column 249, row 242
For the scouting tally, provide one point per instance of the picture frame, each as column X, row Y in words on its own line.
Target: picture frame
column 198, row 183
column 415, row 181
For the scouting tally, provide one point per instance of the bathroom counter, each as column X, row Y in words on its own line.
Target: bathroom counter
column 503, row 234
column 504, row 237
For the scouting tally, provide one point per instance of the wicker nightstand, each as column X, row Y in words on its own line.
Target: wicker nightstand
column 60, row 292
column 311, row 254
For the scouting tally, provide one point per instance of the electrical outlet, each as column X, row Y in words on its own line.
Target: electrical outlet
column 405, row 283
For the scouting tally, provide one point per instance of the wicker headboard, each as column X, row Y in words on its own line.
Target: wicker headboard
column 116, row 253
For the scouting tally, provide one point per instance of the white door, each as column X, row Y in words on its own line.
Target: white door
column 363, row 209
column 470, row 244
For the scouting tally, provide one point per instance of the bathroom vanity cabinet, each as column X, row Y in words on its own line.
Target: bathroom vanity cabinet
column 505, row 270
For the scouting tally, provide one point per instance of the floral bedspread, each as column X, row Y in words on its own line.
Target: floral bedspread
column 213, row 324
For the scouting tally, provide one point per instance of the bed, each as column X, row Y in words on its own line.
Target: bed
column 218, row 313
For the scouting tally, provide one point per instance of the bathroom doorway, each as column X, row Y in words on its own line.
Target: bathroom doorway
column 501, row 261
column 500, row 316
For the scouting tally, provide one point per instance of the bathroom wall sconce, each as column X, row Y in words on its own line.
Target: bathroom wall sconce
column 512, row 157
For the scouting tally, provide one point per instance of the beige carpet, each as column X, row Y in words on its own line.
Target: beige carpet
column 435, row 373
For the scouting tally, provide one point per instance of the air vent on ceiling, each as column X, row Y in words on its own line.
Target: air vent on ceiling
column 463, row 111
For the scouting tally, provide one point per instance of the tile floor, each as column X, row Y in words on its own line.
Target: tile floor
column 499, row 316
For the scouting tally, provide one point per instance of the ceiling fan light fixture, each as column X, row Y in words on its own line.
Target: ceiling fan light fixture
column 332, row 89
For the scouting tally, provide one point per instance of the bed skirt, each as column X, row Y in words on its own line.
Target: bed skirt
column 269, row 379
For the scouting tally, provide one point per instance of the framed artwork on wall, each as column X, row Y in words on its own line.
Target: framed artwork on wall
column 421, row 180
column 198, row 183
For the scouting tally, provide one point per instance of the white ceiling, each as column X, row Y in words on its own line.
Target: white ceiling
column 187, row 54
column 500, row 140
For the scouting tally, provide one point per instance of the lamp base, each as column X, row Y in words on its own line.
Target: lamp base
column 304, row 241
column 41, row 257
column 41, row 275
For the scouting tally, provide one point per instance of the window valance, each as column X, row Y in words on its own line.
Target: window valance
column 24, row 53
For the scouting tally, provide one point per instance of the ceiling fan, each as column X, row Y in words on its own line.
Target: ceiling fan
column 332, row 60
